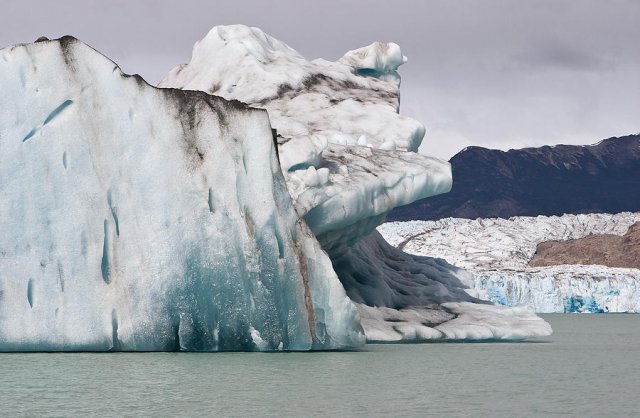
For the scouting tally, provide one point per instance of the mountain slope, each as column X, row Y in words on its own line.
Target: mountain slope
column 550, row 180
column 606, row 250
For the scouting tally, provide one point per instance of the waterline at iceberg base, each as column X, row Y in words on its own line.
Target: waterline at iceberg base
column 138, row 218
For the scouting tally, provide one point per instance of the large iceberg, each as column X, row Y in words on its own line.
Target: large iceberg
column 495, row 254
column 238, row 217
column 138, row 218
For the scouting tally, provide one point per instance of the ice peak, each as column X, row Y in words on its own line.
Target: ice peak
column 251, row 40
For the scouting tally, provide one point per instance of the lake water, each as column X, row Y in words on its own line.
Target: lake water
column 589, row 367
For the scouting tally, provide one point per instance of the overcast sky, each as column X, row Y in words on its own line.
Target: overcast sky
column 495, row 73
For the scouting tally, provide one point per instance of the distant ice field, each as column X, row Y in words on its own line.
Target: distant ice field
column 497, row 252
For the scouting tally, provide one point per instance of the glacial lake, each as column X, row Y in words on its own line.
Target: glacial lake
column 589, row 367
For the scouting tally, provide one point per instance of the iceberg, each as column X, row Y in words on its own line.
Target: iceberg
column 496, row 253
column 233, row 207
column 139, row 218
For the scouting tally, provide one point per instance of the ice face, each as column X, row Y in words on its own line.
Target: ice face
column 137, row 218
column 496, row 252
column 588, row 289
column 342, row 144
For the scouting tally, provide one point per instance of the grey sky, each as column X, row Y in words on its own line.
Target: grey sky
column 494, row 73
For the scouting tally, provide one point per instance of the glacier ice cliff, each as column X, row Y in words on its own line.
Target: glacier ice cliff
column 496, row 254
column 138, row 218
column 348, row 159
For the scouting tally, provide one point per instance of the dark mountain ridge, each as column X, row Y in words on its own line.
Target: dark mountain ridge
column 549, row 180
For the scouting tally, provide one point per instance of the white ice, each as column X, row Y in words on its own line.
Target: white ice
column 137, row 218
column 337, row 124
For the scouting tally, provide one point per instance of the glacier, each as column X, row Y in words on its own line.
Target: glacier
column 496, row 253
column 233, row 207
column 138, row 218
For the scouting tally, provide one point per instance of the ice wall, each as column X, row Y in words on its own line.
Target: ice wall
column 588, row 289
column 137, row 218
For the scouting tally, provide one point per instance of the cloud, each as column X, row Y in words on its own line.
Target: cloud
column 555, row 54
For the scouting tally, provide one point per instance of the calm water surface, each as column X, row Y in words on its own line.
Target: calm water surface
column 590, row 367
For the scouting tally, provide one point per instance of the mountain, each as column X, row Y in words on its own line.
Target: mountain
column 550, row 180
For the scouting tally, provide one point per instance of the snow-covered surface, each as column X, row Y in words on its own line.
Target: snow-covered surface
column 305, row 98
column 496, row 242
column 342, row 144
column 497, row 252
column 137, row 218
